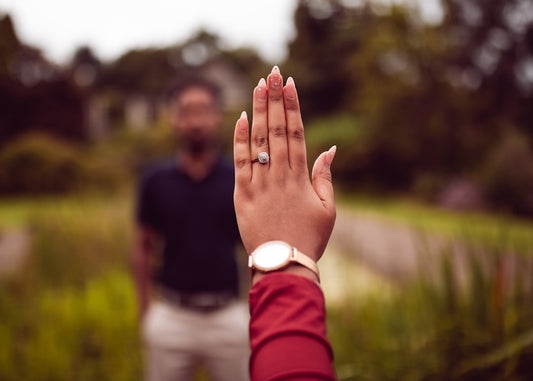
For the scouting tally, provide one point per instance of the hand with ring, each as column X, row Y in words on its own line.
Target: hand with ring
column 274, row 196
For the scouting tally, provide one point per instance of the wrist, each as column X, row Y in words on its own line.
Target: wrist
column 293, row 268
column 279, row 256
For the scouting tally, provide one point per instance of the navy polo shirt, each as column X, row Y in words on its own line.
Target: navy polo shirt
column 197, row 222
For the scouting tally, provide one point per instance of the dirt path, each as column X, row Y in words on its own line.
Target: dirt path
column 398, row 253
column 14, row 247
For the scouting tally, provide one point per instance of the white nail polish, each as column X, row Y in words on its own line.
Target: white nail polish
column 243, row 115
column 330, row 155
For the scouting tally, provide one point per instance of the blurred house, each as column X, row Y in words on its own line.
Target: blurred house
column 139, row 109
column 87, row 99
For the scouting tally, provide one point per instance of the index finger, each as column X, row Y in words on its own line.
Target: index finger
column 241, row 153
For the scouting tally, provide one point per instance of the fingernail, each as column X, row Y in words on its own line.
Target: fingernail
column 330, row 155
column 261, row 89
column 275, row 69
column 290, row 89
column 275, row 80
column 244, row 115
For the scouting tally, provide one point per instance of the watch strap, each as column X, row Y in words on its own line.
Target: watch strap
column 304, row 260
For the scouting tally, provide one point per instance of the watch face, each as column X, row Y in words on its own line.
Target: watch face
column 271, row 255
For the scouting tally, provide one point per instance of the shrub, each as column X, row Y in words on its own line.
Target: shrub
column 508, row 175
column 38, row 164
column 349, row 136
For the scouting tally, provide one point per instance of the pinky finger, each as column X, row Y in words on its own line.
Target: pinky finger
column 241, row 152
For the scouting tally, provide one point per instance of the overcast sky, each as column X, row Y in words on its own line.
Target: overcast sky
column 111, row 27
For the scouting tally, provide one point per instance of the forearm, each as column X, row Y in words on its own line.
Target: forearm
column 142, row 282
column 141, row 270
column 288, row 330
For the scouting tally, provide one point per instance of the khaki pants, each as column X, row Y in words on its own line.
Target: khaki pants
column 178, row 339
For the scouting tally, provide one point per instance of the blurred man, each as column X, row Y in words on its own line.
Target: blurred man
column 186, row 204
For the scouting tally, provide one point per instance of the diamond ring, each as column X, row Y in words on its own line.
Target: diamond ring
column 262, row 158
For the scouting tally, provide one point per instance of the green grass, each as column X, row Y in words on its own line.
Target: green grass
column 18, row 211
column 71, row 314
column 498, row 231
column 435, row 329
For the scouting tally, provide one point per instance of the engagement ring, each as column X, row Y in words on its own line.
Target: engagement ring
column 262, row 158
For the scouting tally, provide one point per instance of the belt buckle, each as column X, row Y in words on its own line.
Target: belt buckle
column 205, row 302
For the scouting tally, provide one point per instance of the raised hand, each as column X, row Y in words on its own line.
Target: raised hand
column 276, row 200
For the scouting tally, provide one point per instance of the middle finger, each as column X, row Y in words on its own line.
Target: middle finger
column 277, row 125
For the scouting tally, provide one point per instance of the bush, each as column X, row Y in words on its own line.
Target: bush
column 508, row 175
column 349, row 136
column 71, row 314
column 88, row 333
column 37, row 164
column 136, row 148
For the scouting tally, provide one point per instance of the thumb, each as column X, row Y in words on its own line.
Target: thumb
column 321, row 175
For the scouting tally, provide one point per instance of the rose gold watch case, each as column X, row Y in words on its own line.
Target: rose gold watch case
column 290, row 255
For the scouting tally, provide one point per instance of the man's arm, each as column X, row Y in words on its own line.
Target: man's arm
column 143, row 246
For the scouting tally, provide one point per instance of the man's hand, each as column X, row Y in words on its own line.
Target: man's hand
column 276, row 200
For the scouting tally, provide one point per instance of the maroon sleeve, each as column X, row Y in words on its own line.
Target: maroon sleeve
column 288, row 330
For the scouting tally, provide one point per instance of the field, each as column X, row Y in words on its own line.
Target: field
column 70, row 313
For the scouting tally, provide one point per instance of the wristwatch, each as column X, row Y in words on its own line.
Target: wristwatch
column 276, row 255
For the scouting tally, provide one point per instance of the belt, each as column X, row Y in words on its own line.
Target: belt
column 199, row 301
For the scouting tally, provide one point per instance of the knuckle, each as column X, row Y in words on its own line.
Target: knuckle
column 274, row 97
column 278, row 130
column 291, row 105
column 297, row 133
column 242, row 162
column 260, row 141
column 240, row 138
column 259, row 107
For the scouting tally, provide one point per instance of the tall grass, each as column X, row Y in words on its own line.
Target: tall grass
column 71, row 313
column 443, row 327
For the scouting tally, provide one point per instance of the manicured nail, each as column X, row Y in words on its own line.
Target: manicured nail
column 275, row 69
column 290, row 89
column 276, row 82
column 330, row 155
column 261, row 89
column 244, row 115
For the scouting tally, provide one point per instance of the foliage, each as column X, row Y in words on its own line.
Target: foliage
column 71, row 333
column 350, row 137
column 71, row 314
column 478, row 228
column 508, row 175
column 38, row 164
column 132, row 149
column 441, row 328
column 434, row 98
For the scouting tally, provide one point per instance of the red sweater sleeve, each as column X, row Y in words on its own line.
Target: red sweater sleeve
column 288, row 330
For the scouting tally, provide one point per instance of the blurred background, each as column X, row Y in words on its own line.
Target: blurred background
column 429, row 272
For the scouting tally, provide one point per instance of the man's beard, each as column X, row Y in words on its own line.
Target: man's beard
column 198, row 145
